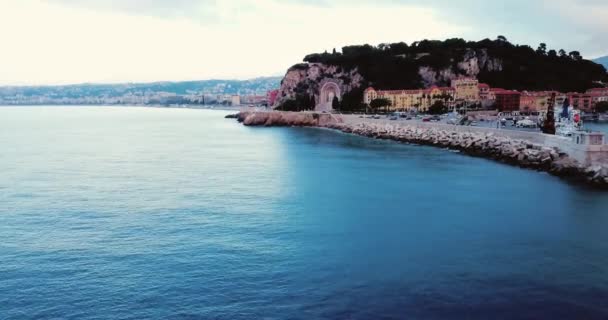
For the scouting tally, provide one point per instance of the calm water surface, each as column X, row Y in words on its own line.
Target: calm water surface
column 142, row 213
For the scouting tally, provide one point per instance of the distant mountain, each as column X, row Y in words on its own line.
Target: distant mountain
column 135, row 93
column 246, row 87
column 603, row 61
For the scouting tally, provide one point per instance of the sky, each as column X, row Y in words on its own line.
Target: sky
column 48, row 42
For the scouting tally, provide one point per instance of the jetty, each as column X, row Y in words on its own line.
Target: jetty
column 582, row 157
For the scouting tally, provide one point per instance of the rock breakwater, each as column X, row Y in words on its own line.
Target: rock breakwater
column 282, row 119
column 489, row 145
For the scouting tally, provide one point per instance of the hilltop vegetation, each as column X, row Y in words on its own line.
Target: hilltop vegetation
column 499, row 63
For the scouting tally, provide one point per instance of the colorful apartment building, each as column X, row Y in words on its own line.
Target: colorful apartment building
column 536, row 101
column 598, row 95
column 506, row 100
column 466, row 89
column 408, row 100
column 587, row 101
column 581, row 101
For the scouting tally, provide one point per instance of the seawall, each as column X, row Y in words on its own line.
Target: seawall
column 553, row 154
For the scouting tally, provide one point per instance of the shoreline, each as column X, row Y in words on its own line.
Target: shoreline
column 538, row 152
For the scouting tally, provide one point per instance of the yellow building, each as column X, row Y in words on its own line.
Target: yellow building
column 466, row 89
column 235, row 100
column 409, row 100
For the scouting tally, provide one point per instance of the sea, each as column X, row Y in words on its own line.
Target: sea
column 158, row 213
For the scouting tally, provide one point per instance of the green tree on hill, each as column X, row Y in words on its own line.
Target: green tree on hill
column 438, row 107
column 575, row 55
column 391, row 66
column 542, row 49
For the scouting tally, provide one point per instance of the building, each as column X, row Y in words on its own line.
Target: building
column 506, row 100
column 581, row 101
column 409, row 100
column 587, row 101
column 536, row 101
column 445, row 94
column 466, row 89
column 401, row 100
column 598, row 95
column 560, row 99
column 235, row 100
column 484, row 91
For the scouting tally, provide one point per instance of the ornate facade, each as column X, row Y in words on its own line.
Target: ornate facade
column 409, row 100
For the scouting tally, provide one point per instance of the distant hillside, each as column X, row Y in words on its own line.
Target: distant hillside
column 603, row 61
column 431, row 62
column 246, row 87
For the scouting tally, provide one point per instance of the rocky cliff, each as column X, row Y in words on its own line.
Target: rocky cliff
column 472, row 63
column 307, row 79
column 425, row 63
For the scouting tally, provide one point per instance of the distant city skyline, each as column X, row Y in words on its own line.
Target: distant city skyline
column 110, row 41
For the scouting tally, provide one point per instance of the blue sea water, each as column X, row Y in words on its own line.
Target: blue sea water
column 595, row 126
column 149, row 213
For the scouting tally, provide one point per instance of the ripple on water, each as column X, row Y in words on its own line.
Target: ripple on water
column 143, row 213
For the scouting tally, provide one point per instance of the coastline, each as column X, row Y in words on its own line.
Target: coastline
column 535, row 151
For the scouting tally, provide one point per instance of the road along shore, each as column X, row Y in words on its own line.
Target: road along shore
column 553, row 154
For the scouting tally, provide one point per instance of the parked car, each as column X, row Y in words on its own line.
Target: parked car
column 527, row 123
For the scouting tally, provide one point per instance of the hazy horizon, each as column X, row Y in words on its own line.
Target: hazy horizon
column 134, row 82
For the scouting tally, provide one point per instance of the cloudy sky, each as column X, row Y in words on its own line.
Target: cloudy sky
column 72, row 41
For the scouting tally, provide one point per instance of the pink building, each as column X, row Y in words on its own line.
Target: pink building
column 537, row 101
column 598, row 95
column 581, row 101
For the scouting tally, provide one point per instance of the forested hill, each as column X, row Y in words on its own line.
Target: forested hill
column 496, row 62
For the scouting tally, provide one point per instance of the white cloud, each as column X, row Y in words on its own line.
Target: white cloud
column 587, row 21
column 46, row 43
